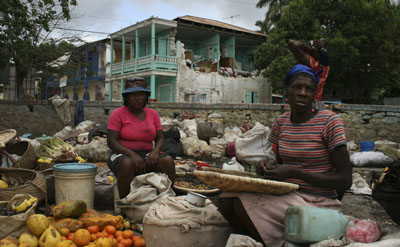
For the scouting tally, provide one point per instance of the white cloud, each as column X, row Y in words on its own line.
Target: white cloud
column 110, row 16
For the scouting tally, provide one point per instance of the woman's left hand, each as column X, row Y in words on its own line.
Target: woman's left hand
column 278, row 172
column 152, row 160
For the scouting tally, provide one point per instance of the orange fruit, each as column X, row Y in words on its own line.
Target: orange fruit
column 126, row 242
column 100, row 235
column 140, row 242
column 120, row 245
column 93, row 237
column 135, row 237
column 110, row 229
column 104, row 242
column 70, row 236
column 114, row 242
column 119, row 238
column 93, row 229
column 82, row 237
column 64, row 231
column 118, row 233
column 128, row 234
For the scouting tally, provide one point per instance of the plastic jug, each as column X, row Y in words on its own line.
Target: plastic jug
column 307, row 225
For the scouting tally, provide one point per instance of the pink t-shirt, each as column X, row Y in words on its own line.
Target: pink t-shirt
column 134, row 133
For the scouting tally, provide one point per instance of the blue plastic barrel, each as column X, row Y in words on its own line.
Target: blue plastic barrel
column 366, row 146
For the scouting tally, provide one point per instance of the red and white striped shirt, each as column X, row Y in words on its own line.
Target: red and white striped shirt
column 308, row 145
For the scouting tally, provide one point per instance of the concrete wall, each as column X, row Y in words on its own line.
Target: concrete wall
column 362, row 122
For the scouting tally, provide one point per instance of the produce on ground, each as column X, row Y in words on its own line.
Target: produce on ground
column 69, row 209
column 55, row 149
column 190, row 181
column 95, row 230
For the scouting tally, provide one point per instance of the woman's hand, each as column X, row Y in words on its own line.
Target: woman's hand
column 152, row 159
column 278, row 172
column 140, row 165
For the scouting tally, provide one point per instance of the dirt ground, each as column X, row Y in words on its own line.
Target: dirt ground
column 365, row 207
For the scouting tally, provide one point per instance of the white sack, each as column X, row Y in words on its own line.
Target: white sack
column 370, row 158
column 145, row 190
column 192, row 146
column 253, row 145
column 237, row 240
column 176, row 222
column 189, row 126
column 230, row 135
column 218, row 147
column 95, row 151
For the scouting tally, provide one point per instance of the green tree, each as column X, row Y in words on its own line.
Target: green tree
column 362, row 44
column 25, row 25
column 274, row 13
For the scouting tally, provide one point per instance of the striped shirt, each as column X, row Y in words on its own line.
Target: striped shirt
column 307, row 146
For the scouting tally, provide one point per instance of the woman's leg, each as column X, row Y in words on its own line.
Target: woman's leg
column 234, row 212
column 125, row 176
column 167, row 165
column 245, row 220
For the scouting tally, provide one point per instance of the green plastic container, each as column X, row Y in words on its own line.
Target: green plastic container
column 307, row 225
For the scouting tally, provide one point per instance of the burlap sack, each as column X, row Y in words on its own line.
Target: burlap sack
column 145, row 190
column 16, row 224
column 178, row 223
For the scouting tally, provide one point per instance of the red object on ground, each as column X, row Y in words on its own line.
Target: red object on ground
column 364, row 231
column 230, row 150
column 200, row 164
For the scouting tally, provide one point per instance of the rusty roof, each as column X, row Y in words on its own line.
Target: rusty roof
column 218, row 24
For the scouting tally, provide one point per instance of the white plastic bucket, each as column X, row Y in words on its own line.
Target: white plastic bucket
column 74, row 181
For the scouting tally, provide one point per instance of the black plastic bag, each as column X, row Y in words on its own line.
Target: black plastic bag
column 386, row 190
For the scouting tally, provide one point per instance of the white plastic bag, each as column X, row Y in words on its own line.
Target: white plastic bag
column 370, row 158
column 253, row 145
column 233, row 165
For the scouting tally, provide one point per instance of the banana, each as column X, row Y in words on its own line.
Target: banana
column 24, row 205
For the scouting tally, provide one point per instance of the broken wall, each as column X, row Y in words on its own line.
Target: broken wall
column 213, row 88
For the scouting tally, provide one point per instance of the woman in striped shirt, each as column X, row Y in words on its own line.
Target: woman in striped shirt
column 310, row 151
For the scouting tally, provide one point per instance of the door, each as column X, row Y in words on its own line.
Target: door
column 165, row 93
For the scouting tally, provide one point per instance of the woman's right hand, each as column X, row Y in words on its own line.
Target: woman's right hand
column 140, row 164
column 263, row 166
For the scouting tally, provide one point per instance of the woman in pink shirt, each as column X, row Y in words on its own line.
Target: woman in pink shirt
column 135, row 137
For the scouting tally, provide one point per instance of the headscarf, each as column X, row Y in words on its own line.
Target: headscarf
column 300, row 68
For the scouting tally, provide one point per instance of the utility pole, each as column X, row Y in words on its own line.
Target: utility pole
column 231, row 17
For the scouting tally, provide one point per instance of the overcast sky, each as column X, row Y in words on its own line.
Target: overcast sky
column 109, row 16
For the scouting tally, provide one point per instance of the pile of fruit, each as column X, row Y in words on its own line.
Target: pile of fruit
column 73, row 225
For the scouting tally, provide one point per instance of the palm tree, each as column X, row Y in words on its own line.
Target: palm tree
column 273, row 15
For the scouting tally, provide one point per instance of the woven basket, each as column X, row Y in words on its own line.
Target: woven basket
column 185, row 190
column 35, row 184
column 7, row 135
column 27, row 153
column 233, row 183
column 231, row 172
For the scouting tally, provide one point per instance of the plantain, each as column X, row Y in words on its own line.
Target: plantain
column 22, row 207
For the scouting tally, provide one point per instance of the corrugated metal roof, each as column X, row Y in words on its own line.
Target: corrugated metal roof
column 218, row 24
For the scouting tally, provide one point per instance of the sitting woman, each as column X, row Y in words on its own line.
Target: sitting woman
column 310, row 151
column 131, row 131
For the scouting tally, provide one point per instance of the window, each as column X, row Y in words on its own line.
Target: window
column 251, row 97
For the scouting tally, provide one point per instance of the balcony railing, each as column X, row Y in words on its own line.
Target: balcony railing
column 146, row 63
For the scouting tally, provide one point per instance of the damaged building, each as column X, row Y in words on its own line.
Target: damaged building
column 188, row 59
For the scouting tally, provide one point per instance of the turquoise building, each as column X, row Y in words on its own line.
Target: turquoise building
column 178, row 57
